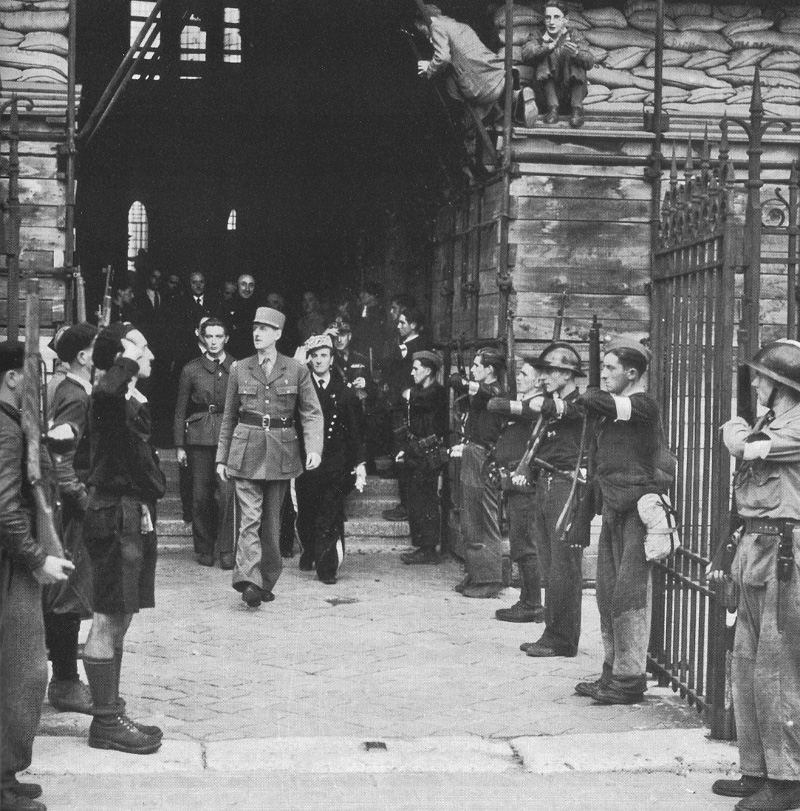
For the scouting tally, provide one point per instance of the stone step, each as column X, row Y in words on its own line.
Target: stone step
column 365, row 507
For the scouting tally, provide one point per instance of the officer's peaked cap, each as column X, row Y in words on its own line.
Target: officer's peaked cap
column 779, row 361
column 270, row 317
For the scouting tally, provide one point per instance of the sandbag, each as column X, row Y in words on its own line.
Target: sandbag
column 668, row 94
column 627, row 94
column 605, row 17
column 619, row 108
column 619, row 78
column 47, row 42
column 43, row 75
column 625, row 58
column 767, row 40
column 781, row 60
column 691, row 22
column 646, row 21
column 781, row 95
column 10, row 39
column 711, row 110
column 746, row 57
column 33, row 59
column 746, row 76
column 577, row 22
column 789, row 25
column 10, row 5
column 50, row 5
column 522, row 15
column 27, row 21
column 731, row 13
column 743, row 26
column 776, row 110
column 598, row 53
column 670, row 59
column 696, row 41
column 676, row 10
column 681, row 77
column 703, row 60
column 597, row 93
column 8, row 74
column 611, row 38
column 703, row 95
column 522, row 33
column 636, row 6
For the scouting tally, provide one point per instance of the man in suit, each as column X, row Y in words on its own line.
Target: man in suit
column 259, row 449
column 198, row 419
column 240, row 312
column 321, row 492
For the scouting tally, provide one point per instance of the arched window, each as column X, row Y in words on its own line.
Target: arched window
column 137, row 229
column 232, row 220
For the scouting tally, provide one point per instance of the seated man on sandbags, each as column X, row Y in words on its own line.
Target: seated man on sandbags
column 473, row 73
column 561, row 58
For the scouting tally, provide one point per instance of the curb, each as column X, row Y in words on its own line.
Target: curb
column 675, row 751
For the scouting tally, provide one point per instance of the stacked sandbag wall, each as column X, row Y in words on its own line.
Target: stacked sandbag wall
column 710, row 54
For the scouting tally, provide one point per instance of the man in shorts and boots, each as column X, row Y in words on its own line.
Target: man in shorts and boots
column 25, row 566
column 628, row 436
column 66, row 604
column 766, row 656
column 125, row 481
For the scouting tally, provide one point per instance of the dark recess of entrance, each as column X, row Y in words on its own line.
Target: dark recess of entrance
column 322, row 140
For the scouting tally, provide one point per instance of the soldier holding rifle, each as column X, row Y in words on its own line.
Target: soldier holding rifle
column 766, row 654
column 559, row 445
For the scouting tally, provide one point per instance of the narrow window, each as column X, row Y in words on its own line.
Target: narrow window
column 138, row 235
column 232, row 220
column 232, row 38
column 193, row 41
column 140, row 11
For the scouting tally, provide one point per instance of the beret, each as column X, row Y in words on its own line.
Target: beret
column 109, row 344
column 73, row 340
column 632, row 344
column 431, row 357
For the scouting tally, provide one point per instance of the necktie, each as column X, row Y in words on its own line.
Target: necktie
column 197, row 299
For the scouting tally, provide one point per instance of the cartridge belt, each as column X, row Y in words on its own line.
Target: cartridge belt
column 265, row 421
column 767, row 526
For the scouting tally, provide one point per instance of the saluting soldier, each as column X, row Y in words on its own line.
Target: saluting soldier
column 198, row 420
column 321, row 492
column 260, row 450
column 766, row 653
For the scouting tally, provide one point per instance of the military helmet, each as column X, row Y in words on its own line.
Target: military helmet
column 779, row 361
column 560, row 355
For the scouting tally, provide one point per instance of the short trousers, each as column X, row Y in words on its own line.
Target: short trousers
column 123, row 558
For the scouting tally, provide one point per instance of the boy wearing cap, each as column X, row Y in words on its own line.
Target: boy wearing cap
column 24, row 567
column 259, row 448
column 628, row 432
column 420, row 458
column 321, row 492
column 125, row 482
column 66, row 605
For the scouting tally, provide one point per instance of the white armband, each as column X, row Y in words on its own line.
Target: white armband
column 624, row 408
column 756, row 446
column 515, row 407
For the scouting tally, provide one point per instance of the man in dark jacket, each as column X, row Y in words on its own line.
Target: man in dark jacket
column 198, row 419
column 421, row 459
column 561, row 58
column 125, row 481
column 321, row 492
column 24, row 566
column 65, row 605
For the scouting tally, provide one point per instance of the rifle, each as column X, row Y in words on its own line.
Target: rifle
column 33, row 423
column 104, row 313
column 80, row 298
column 511, row 360
column 558, row 323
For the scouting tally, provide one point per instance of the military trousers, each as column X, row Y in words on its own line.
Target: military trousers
column 766, row 661
column 23, row 666
column 424, row 514
column 480, row 518
column 258, row 554
column 624, row 598
column 212, row 503
column 560, row 567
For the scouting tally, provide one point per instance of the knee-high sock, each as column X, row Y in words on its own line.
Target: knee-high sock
column 103, row 680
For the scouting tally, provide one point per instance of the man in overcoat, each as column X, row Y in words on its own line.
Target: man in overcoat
column 259, row 448
column 198, row 420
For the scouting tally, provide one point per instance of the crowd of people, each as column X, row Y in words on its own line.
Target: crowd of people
column 256, row 429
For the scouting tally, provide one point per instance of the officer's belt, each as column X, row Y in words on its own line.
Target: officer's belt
column 265, row 421
column 196, row 408
column 767, row 526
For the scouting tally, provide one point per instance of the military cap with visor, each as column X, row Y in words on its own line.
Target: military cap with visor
column 269, row 317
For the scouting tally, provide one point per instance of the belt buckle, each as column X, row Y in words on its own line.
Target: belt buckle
column 266, row 420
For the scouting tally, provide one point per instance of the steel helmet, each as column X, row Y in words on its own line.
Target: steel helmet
column 779, row 361
column 560, row 355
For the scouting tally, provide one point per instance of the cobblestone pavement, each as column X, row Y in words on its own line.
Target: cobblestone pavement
column 390, row 651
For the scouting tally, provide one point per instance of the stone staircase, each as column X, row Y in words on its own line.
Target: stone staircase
column 366, row 530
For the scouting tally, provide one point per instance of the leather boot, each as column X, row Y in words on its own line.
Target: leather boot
column 529, row 607
column 148, row 729
column 551, row 117
column 774, row 795
column 576, row 119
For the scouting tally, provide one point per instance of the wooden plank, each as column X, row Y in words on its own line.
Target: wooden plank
column 582, row 209
column 604, row 187
column 579, row 170
column 549, row 242
column 50, row 288
column 34, row 166
column 601, row 279
column 583, row 307
column 42, row 192
column 541, row 329
column 44, row 216
column 42, row 239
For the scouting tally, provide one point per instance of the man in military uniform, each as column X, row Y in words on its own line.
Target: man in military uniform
column 259, row 448
column 198, row 419
column 321, row 492
column 560, row 448
column 766, row 653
